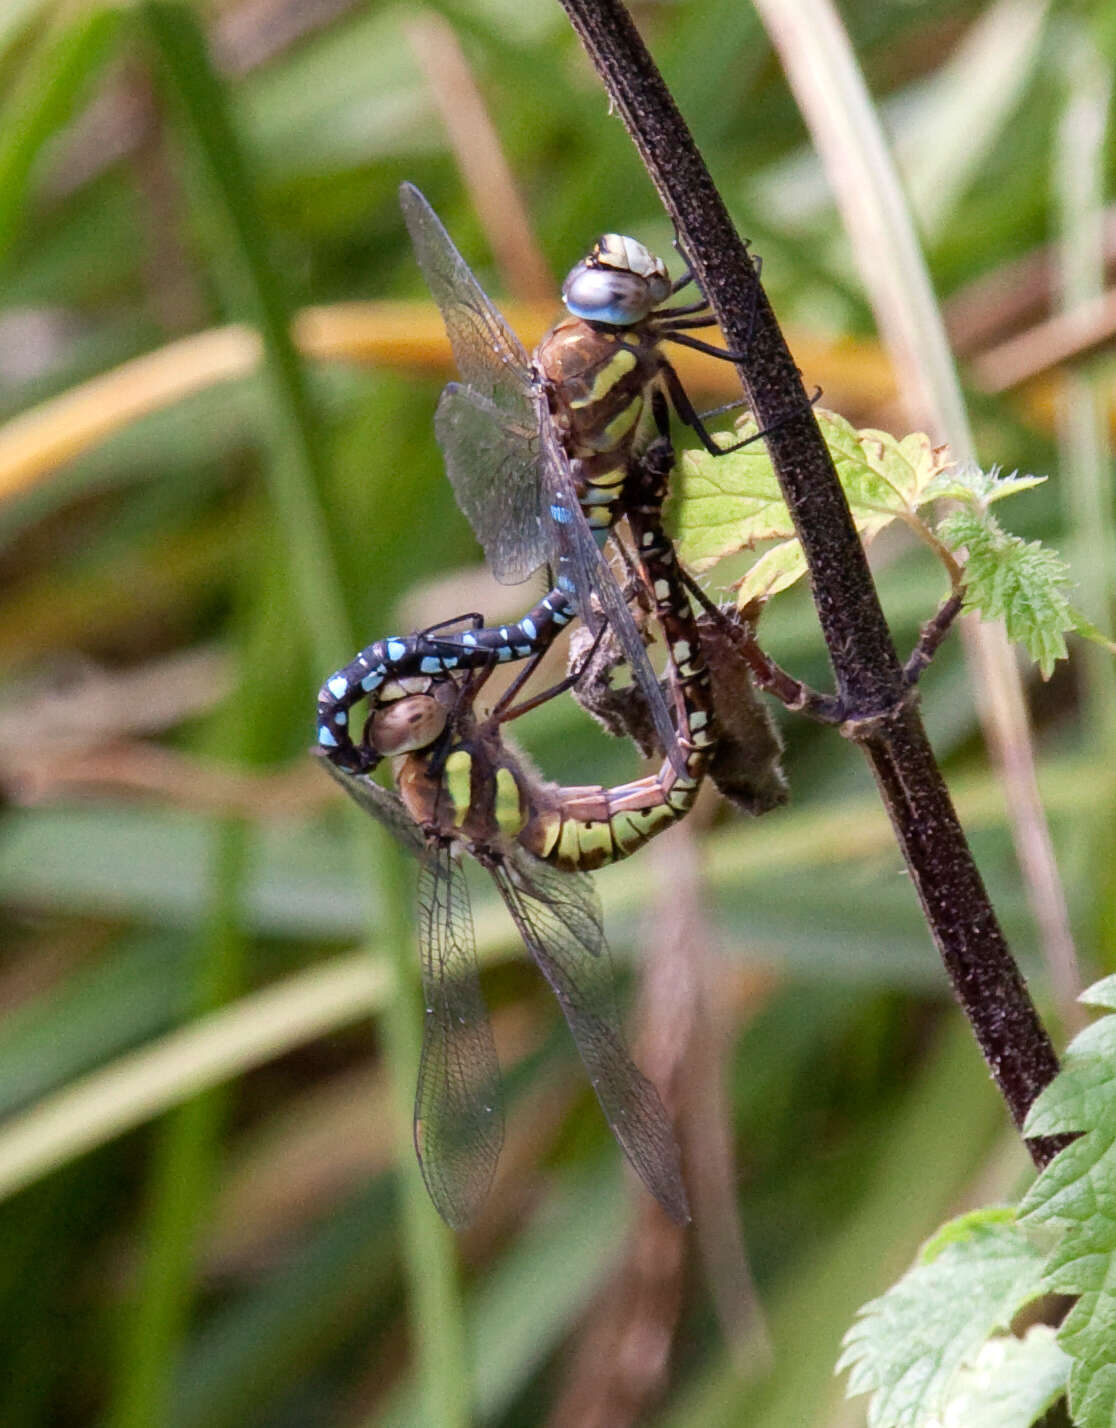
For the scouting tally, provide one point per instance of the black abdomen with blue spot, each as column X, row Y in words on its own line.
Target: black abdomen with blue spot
column 401, row 657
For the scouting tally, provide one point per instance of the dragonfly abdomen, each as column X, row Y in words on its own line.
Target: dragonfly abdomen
column 427, row 653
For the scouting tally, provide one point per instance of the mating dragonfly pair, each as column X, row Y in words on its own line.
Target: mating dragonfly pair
column 545, row 454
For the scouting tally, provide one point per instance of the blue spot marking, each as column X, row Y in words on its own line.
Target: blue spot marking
column 561, row 515
column 338, row 686
column 561, row 617
column 566, row 584
column 372, row 681
column 325, row 738
column 527, row 625
column 522, row 650
column 340, row 718
column 396, row 649
column 600, row 534
column 470, row 640
column 505, row 653
column 430, row 664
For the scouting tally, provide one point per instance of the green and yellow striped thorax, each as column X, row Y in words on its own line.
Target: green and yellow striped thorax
column 599, row 385
column 475, row 792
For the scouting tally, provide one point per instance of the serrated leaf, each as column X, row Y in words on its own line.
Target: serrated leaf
column 968, row 483
column 1021, row 582
column 1011, row 1383
column 882, row 476
column 1076, row 1194
column 724, row 504
column 1088, row 631
column 906, row 1349
column 775, row 570
column 721, row 504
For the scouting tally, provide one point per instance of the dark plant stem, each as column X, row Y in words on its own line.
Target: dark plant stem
column 931, row 635
column 880, row 706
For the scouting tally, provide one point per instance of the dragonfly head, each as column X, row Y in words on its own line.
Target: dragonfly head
column 619, row 283
column 408, row 724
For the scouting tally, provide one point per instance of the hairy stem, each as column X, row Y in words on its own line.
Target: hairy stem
column 881, row 709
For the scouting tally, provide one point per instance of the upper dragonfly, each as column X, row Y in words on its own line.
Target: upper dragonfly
column 539, row 448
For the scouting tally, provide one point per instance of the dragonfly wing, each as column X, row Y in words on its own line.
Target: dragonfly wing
column 382, row 803
column 559, row 918
column 492, row 465
column 488, row 354
column 575, row 551
column 459, row 1121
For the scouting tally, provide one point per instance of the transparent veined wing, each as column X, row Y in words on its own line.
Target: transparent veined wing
column 492, row 463
column 382, row 803
column 576, row 552
column 459, row 1118
column 559, row 918
column 489, row 356
column 487, row 427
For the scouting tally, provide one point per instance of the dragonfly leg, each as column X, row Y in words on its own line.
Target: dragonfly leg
column 503, row 715
column 825, row 708
column 767, row 430
column 473, row 618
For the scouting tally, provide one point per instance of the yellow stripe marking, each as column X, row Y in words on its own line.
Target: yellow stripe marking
column 620, row 425
column 458, row 779
column 613, row 371
column 509, row 815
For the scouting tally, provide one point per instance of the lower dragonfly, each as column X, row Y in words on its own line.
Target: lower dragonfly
column 461, row 788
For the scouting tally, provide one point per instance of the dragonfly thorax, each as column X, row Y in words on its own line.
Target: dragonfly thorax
column 476, row 792
column 619, row 283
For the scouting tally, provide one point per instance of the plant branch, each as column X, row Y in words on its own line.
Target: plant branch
column 881, row 707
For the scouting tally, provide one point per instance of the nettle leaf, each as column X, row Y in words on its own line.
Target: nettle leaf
column 1021, row 582
column 1011, row 1382
column 1076, row 1196
column 884, row 477
column 775, row 570
column 724, row 504
column 968, row 483
column 908, row 1347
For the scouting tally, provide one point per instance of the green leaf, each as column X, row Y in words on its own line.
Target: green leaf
column 724, row 504
column 51, row 88
column 721, row 504
column 883, row 476
column 968, row 483
column 1074, row 1195
column 1011, row 1383
column 298, row 473
column 1088, row 631
column 775, row 570
column 1020, row 582
column 971, row 1279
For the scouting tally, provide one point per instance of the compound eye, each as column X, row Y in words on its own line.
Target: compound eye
column 407, row 725
column 607, row 295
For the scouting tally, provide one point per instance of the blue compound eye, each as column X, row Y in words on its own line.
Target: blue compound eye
column 619, row 283
column 607, row 295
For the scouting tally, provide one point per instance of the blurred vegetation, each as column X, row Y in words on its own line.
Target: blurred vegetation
column 205, row 989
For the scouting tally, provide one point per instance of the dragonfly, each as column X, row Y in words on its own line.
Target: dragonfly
column 460, row 788
column 540, row 451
